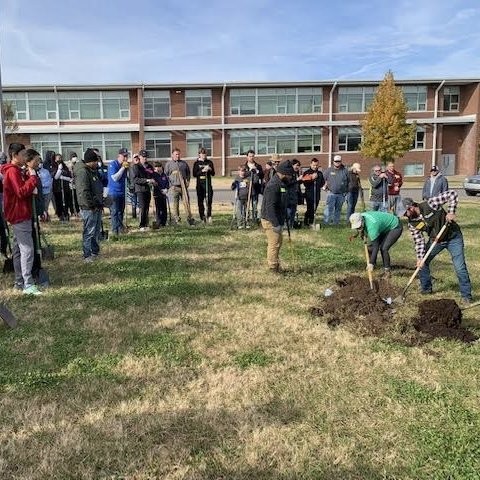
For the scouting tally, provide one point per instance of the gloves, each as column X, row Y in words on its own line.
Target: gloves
column 370, row 267
column 278, row 229
column 164, row 191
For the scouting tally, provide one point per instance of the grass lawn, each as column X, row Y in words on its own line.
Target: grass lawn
column 178, row 356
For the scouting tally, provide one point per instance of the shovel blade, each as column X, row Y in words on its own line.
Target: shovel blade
column 7, row 316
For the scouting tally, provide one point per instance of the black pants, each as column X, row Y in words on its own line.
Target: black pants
column 144, row 204
column 312, row 199
column 74, row 207
column 202, row 196
column 383, row 243
column 161, row 209
column 62, row 203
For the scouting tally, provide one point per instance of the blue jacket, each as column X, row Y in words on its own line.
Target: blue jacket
column 162, row 181
column 116, row 188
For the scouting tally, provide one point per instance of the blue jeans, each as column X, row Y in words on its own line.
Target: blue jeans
column 333, row 208
column 455, row 248
column 92, row 227
column 379, row 206
column 117, row 211
column 291, row 213
column 352, row 198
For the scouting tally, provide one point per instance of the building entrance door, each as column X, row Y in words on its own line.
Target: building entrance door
column 447, row 166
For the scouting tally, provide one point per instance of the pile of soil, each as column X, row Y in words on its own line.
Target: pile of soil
column 355, row 304
column 365, row 312
column 442, row 318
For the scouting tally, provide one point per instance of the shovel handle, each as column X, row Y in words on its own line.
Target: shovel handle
column 370, row 274
column 476, row 304
column 429, row 251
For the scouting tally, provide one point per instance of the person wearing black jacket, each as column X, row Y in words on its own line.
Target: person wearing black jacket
column 256, row 174
column 294, row 193
column 313, row 181
column 203, row 171
column 274, row 211
column 142, row 179
column 62, row 179
column 354, row 187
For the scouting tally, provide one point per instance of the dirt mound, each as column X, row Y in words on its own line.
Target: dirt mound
column 442, row 318
column 354, row 303
column 368, row 312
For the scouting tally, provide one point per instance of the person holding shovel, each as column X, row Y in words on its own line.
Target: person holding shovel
column 429, row 217
column 381, row 230
column 142, row 176
column 273, row 213
column 18, row 189
column 313, row 182
column 203, row 171
column 178, row 173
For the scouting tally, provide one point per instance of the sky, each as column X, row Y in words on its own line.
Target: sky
column 187, row 41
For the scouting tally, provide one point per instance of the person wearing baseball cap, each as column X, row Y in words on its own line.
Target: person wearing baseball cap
column 434, row 184
column 336, row 184
column 117, row 180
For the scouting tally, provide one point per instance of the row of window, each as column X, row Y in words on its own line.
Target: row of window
column 198, row 103
column 159, row 144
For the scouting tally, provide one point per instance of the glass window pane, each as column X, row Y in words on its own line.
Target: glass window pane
column 89, row 111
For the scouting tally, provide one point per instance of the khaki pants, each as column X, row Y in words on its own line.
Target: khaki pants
column 274, row 242
column 177, row 195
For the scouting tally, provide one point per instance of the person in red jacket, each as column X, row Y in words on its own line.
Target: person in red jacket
column 18, row 189
column 395, row 181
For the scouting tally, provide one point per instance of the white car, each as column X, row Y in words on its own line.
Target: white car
column 472, row 185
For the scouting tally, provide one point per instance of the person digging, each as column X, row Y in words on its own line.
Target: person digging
column 428, row 218
column 274, row 211
column 381, row 230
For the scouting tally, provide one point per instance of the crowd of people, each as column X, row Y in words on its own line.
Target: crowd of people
column 84, row 187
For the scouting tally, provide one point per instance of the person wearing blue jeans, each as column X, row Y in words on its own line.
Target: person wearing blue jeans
column 92, row 227
column 90, row 199
column 429, row 217
column 379, row 184
column 336, row 183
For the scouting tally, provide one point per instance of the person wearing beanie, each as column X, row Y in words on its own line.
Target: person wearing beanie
column 274, row 211
column 90, row 199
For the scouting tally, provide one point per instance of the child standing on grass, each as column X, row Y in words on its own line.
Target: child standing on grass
column 241, row 185
column 160, row 192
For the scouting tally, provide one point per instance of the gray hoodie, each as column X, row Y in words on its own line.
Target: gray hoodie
column 434, row 186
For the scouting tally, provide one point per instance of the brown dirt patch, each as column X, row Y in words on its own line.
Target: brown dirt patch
column 365, row 312
column 442, row 318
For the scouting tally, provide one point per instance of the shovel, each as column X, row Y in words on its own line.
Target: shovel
column 7, row 316
column 185, row 198
column 476, row 304
column 401, row 298
column 367, row 258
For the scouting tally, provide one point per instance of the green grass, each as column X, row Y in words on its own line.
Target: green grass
column 179, row 356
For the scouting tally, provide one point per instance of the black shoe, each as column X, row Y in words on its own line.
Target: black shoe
column 426, row 292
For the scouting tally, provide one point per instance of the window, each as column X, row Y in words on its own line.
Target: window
column 355, row 99
column 309, row 100
column 414, row 170
column 281, row 141
column 18, row 101
column 275, row 101
column 451, row 99
column 107, row 143
column 419, row 140
column 156, row 104
column 158, row 144
column 198, row 103
column 42, row 106
column 349, row 139
column 415, row 97
column 115, row 105
column 79, row 105
column 196, row 140
column 242, row 101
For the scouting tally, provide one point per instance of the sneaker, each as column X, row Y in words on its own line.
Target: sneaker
column 248, row 226
column 465, row 301
column 18, row 286
column 240, row 227
column 33, row 290
column 89, row 259
column 209, row 220
column 95, row 256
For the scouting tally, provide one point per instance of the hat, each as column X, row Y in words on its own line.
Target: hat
column 143, row 153
column 337, row 158
column 286, row 168
column 123, row 151
column 407, row 202
column 434, row 169
column 275, row 157
column 356, row 220
column 90, row 156
column 356, row 166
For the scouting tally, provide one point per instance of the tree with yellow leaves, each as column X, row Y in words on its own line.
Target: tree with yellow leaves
column 386, row 134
